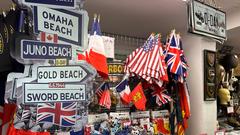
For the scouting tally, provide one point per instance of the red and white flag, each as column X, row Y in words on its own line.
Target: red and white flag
column 104, row 95
column 96, row 53
column 49, row 38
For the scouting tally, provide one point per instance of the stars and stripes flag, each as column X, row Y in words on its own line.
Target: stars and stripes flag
column 148, row 61
column 62, row 114
column 104, row 95
column 161, row 97
column 175, row 58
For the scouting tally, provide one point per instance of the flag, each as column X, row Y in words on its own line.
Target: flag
column 1, row 115
column 183, row 58
column 104, row 95
column 173, row 56
column 96, row 53
column 148, row 61
column 62, row 114
column 26, row 114
column 176, row 61
column 138, row 98
column 161, row 98
column 49, row 38
column 123, row 89
column 8, row 113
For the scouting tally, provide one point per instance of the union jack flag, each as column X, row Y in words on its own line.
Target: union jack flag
column 62, row 114
column 175, row 59
column 161, row 97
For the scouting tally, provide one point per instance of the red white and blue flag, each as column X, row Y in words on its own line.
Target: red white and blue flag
column 104, row 95
column 62, row 114
column 124, row 91
column 148, row 61
column 175, row 58
column 161, row 97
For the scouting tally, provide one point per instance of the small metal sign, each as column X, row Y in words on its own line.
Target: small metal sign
column 206, row 20
column 61, row 74
column 53, row 92
column 115, row 68
column 70, row 26
column 70, row 4
column 41, row 50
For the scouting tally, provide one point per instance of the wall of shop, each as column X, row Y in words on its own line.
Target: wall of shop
column 204, row 113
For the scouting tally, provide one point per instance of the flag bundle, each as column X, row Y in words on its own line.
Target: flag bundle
column 148, row 61
column 175, row 59
column 95, row 55
column 104, row 95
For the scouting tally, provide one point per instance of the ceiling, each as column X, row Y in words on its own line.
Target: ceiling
column 139, row 18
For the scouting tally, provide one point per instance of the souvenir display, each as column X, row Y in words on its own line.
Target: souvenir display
column 71, row 86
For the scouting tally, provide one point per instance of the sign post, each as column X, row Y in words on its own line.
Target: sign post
column 40, row 50
column 53, row 92
column 70, row 26
column 61, row 74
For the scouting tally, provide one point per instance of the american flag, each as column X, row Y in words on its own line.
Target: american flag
column 104, row 95
column 62, row 114
column 148, row 61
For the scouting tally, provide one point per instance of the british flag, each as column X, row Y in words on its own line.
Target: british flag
column 161, row 97
column 173, row 58
column 62, row 114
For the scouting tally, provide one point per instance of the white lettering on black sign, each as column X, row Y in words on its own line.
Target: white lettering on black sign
column 61, row 74
column 42, row 92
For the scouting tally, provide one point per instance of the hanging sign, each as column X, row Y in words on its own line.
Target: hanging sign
column 206, row 20
column 70, row 4
column 70, row 26
column 41, row 50
column 115, row 68
column 53, row 92
column 61, row 74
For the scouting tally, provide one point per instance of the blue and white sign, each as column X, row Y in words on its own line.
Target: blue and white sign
column 68, row 25
column 40, row 50
column 70, row 4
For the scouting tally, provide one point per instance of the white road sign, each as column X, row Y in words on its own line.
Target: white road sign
column 53, row 92
column 60, row 74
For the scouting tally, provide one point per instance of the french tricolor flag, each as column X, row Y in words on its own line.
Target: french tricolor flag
column 124, row 91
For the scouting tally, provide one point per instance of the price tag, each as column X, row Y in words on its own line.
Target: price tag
column 61, row 62
column 230, row 110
